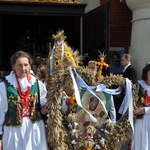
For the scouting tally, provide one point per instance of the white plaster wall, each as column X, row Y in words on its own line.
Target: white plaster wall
column 140, row 34
column 0, row 40
column 91, row 4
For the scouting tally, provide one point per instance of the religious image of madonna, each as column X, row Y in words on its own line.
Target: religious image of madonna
column 93, row 105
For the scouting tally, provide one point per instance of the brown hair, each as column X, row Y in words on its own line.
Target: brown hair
column 147, row 63
column 42, row 69
column 20, row 54
column 127, row 56
column 145, row 71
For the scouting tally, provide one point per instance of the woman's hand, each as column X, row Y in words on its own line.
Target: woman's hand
column 44, row 110
column 1, row 145
column 139, row 111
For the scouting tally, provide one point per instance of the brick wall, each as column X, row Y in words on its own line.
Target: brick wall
column 120, row 23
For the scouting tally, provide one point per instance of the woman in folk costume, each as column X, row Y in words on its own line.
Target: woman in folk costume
column 21, row 126
column 141, row 136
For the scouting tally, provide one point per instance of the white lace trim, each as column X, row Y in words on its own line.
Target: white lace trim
column 145, row 86
column 23, row 81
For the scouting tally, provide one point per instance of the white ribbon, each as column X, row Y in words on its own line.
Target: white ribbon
column 102, row 88
column 82, row 85
column 79, row 83
column 77, row 95
column 52, row 55
column 128, row 103
column 62, row 53
column 52, row 59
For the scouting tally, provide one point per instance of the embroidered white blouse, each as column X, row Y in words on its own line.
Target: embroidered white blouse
column 29, row 136
column 141, row 136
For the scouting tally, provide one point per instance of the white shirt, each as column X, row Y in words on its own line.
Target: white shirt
column 30, row 136
column 126, row 67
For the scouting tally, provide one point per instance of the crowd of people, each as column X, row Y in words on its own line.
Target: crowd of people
column 39, row 67
column 23, row 99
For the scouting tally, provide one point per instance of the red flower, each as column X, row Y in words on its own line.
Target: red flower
column 69, row 101
column 89, row 135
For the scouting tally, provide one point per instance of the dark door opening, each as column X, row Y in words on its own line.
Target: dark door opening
column 32, row 29
column 33, row 34
column 96, row 32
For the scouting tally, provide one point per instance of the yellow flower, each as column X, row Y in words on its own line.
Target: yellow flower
column 74, row 103
column 68, row 54
column 87, row 148
column 57, row 62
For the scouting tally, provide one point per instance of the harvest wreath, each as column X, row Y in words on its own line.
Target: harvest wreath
column 66, row 135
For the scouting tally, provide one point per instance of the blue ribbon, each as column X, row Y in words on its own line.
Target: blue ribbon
column 52, row 59
column 52, row 56
column 77, row 95
column 82, row 84
column 128, row 104
column 100, row 88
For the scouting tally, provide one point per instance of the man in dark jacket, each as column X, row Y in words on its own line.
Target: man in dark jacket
column 128, row 71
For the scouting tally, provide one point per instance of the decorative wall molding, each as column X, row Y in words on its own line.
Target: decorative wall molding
column 42, row 8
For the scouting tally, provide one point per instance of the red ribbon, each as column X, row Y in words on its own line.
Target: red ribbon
column 24, row 96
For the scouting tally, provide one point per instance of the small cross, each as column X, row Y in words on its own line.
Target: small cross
column 101, row 63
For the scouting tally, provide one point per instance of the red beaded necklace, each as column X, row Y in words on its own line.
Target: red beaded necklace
column 24, row 96
column 147, row 102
